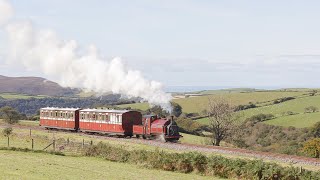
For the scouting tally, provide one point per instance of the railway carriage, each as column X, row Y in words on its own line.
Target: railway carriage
column 60, row 118
column 119, row 122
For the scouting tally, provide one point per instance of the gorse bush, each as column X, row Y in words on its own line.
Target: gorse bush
column 199, row 163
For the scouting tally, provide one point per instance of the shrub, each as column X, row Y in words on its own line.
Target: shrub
column 193, row 161
column 244, row 107
column 260, row 117
column 312, row 147
column 311, row 109
column 288, row 113
column 7, row 131
column 277, row 101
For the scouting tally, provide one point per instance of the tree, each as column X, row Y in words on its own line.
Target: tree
column 157, row 110
column 9, row 115
column 176, row 109
column 222, row 119
column 310, row 109
column 7, row 131
column 312, row 147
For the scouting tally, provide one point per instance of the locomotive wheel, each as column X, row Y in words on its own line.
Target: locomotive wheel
column 144, row 137
column 137, row 136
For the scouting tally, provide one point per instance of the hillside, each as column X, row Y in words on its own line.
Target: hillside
column 32, row 86
column 198, row 104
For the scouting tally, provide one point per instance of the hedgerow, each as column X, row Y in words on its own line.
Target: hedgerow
column 196, row 162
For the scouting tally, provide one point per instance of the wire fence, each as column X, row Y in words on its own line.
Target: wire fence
column 45, row 142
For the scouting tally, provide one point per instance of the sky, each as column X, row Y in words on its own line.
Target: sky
column 191, row 43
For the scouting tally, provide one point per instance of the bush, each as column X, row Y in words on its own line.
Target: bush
column 260, row 118
column 311, row 109
column 199, row 163
column 190, row 126
column 7, row 131
column 277, row 101
column 288, row 113
column 244, row 107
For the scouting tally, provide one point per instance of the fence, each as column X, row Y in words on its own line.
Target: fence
column 47, row 140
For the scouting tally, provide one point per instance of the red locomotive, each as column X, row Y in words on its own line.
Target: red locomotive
column 112, row 122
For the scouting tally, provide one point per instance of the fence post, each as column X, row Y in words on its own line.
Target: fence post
column 8, row 141
column 54, row 145
column 32, row 144
column 30, row 132
column 68, row 141
column 82, row 143
column 91, row 143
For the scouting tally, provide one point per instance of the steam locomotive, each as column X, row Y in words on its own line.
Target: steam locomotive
column 112, row 122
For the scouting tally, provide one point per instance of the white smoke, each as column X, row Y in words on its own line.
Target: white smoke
column 43, row 50
column 6, row 11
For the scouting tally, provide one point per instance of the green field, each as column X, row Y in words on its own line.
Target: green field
column 192, row 139
column 197, row 104
column 299, row 120
column 28, row 165
column 297, row 106
column 19, row 96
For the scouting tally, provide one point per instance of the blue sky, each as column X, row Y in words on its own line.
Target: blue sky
column 193, row 43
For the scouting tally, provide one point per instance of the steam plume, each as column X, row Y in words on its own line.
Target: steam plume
column 6, row 11
column 43, row 50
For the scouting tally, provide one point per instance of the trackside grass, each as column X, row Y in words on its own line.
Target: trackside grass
column 28, row 165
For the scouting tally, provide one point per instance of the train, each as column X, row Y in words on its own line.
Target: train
column 124, row 123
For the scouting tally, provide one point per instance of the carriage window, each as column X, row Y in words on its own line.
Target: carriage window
column 94, row 116
column 56, row 114
column 107, row 118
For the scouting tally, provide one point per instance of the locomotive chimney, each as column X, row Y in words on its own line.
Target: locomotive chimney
column 171, row 119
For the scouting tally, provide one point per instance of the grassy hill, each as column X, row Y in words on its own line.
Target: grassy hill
column 298, row 119
column 197, row 104
column 33, row 86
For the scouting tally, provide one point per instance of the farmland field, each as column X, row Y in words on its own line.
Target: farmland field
column 197, row 104
column 19, row 96
column 296, row 106
column 28, row 165
column 299, row 120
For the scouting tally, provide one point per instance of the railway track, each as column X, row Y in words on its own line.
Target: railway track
column 204, row 148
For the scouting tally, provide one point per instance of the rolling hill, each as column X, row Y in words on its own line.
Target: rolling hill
column 33, row 86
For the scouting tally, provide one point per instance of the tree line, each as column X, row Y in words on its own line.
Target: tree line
column 32, row 105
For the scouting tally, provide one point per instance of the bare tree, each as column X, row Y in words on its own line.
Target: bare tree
column 222, row 119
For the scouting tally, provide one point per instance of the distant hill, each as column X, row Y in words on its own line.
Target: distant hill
column 33, row 86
